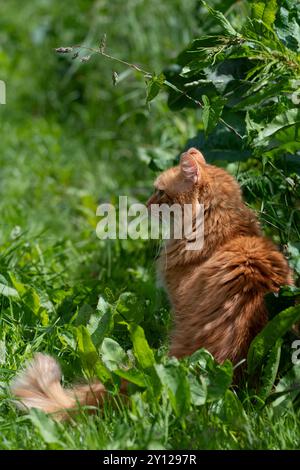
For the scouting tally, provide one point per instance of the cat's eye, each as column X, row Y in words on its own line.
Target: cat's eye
column 160, row 192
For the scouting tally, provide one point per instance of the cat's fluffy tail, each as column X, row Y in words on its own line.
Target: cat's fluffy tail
column 38, row 386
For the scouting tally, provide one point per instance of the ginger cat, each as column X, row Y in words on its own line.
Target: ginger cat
column 217, row 292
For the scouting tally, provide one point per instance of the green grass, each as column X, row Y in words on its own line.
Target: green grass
column 120, row 429
column 70, row 140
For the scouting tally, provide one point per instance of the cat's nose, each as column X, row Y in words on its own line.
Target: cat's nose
column 151, row 200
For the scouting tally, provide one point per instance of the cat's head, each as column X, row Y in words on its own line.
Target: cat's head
column 181, row 184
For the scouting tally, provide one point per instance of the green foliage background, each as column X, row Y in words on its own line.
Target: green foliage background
column 70, row 139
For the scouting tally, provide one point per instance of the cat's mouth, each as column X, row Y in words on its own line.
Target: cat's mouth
column 158, row 198
column 152, row 200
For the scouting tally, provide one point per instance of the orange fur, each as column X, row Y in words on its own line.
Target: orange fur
column 217, row 293
column 38, row 386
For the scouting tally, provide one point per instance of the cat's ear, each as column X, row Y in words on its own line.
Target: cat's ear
column 190, row 162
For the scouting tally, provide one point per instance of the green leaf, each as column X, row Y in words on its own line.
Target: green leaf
column 291, row 378
column 91, row 362
column 287, row 25
column 265, row 340
column 113, row 355
column 174, row 379
column 205, row 112
column 217, row 377
column 134, row 376
column 129, row 307
column 160, row 159
column 83, row 315
column 142, row 350
column 198, row 389
column 287, row 389
column 68, row 338
column 8, row 291
column 203, row 358
column 19, row 286
column 231, row 411
column 3, row 354
column 290, row 291
column 31, row 299
column 211, row 112
column 281, row 121
column 264, row 10
column 47, row 428
column 220, row 18
column 218, row 380
column 154, row 86
column 270, row 369
column 101, row 323
column 254, row 98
